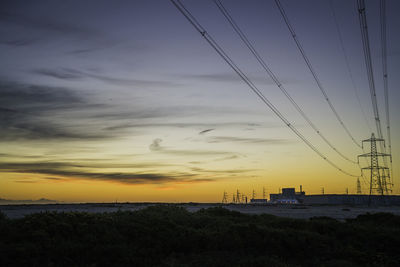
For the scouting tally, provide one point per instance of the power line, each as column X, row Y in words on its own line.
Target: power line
column 186, row 13
column 348, row 64
column 385, row 75
column 249, row 45
column 368, row 63
column 314, row 74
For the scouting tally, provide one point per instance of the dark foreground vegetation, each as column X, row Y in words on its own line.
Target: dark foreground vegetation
column 172, row 236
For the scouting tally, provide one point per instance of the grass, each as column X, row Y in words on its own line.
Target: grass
column 172, row 236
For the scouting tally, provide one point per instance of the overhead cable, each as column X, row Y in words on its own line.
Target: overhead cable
column 368, row 63
column 186, row 13
column 314, row 74
column 346, row 58
column 385, row 75
column 264, row 65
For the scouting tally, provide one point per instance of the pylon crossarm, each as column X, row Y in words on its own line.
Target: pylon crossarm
column 369, row 168
column 373, row 140
column 378, row 154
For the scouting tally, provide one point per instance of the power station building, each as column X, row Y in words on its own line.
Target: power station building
column 290, row 196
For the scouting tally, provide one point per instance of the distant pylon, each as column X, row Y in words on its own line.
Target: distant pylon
column 264, row 193
column 254, row 194
column 358, row 187
column 233, row 198
column 225, row 198
column 323, row 191
column 237, row 196
column 379, row 181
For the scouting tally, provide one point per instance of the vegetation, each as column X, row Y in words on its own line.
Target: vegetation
column 172, row 236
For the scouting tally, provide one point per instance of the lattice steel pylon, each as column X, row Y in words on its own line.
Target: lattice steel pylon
column 379, row 176
column 358, row 187
column 238, row 196
column 225, row 198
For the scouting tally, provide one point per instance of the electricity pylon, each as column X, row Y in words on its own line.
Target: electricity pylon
column 379, row 181
column 254, row 194
column 358, row 187
column 225, row 198
column 264, row 193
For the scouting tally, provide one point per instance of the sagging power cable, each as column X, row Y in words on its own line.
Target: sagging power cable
column 314, row 74
column 264, row 65
column 186, row 13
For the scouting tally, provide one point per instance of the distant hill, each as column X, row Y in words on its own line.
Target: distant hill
column 27, row 201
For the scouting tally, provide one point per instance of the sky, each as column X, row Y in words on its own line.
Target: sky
column 104, row 101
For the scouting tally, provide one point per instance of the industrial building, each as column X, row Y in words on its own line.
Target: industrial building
column 290, row 196
column 258, row 201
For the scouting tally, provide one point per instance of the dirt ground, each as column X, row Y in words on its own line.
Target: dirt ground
column 292, row 211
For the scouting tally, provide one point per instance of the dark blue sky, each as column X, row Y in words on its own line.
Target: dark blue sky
column 132, row 82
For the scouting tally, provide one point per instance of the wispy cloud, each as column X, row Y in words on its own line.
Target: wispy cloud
column 175, row 111
column 75, row 74
column 28, row 29
column 46, row 24
column 214, row 77
column 64, row 75
column 222, row 139
column 63, row 165
column 17, row 42
column 61, row 171
column 226, row 171
column 205, row 153
column 30, row 112
column 155, row 146
column 206, row 131
column 233, row 78
column 227, row 158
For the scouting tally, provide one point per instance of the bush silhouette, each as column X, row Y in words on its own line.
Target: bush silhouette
column 168, row 235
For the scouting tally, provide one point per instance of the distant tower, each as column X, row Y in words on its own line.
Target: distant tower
column 237, row 196
column 358, row 187
column 254, row 194
column 264, row 193
column 225, row 198
column 323, row 191
column 233, row 198
column 347, row 190
column 379, row 180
